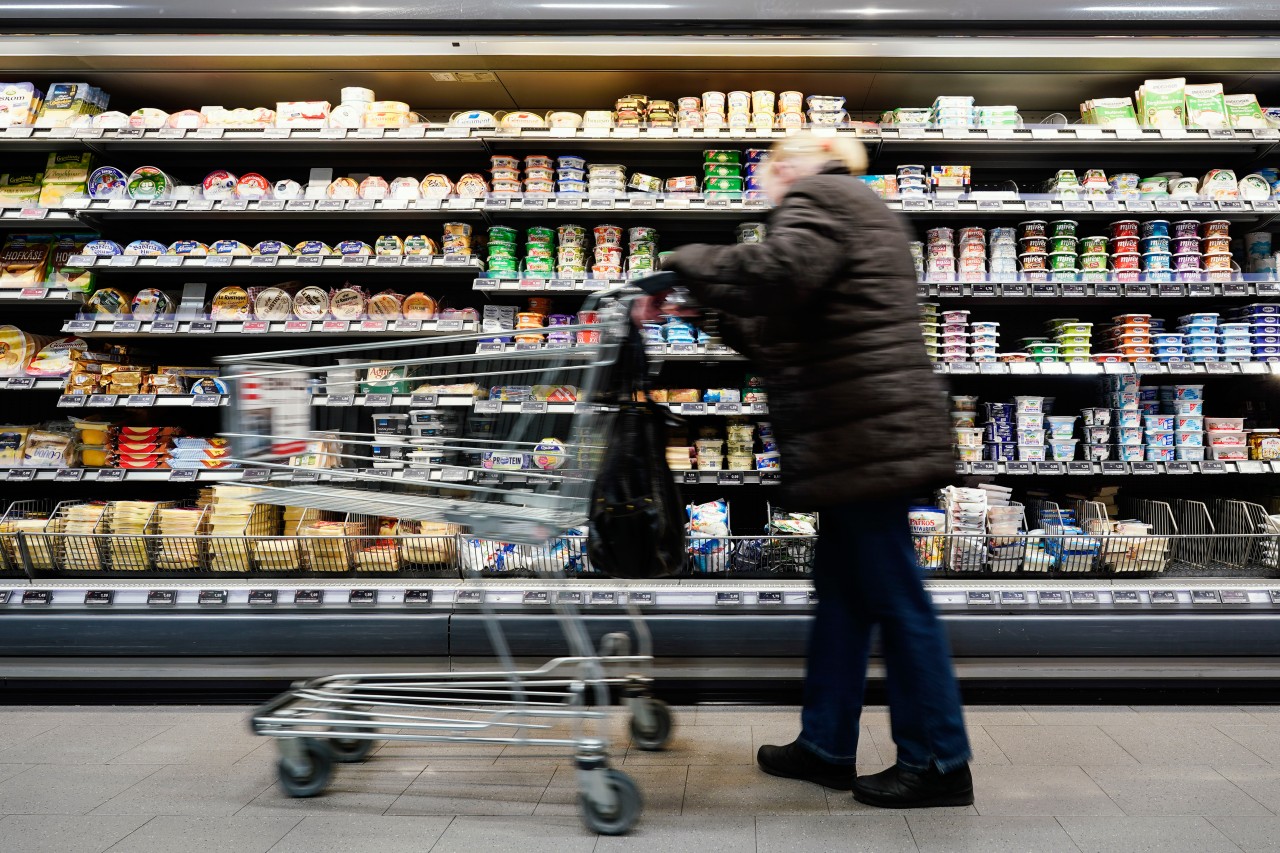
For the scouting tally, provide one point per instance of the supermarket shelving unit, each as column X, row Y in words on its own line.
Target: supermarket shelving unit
column 707, row 626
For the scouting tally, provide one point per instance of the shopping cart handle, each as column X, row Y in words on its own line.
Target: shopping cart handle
column 659, row 282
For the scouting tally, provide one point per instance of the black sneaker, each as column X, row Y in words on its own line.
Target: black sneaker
column 793, row 761
column 900, row 788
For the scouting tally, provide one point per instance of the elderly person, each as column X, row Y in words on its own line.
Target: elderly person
column 825, row 308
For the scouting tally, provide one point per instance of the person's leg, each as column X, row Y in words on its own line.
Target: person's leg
column 925, row 711
column 839, row 644
column 835, row 672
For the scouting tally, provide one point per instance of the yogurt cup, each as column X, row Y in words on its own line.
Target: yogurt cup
column 1131, row 452
column 1063, row 244
column 1123, row 228
column 1187, row 262
column 1126, row 261
column 1159, row 438
column 1157, row 261
column 1062, row 261
column 1129, row 435
column 1154, row 228
column 1031, row 453
column 1097, row 434
column 1029, row 405
column 1031, row 435
column 1096, row 417
column 1063, row 451
column 1215, row 228
column 1033, row 228
column 964, row 420
column 1097, row 452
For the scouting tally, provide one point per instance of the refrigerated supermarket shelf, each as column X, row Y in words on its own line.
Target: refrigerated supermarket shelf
column 1117, row 469
column 531, row 407
column 129, row 328
column 1229, row 285
column 1212, row 368
column 434, row 264
column 39, row 219
column 36, row 296
column 139, row 401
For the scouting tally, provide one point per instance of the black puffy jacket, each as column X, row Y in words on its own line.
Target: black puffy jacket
column 825, row 308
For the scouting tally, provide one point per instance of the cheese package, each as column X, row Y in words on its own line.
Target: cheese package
column 1244, row 111
column 272, row 247
column 420, row 244
column 230, row 303
column 273, row 303
column 187, row 119
column 347, row 304
column 146, row 248
column 253, row 187
column 107, row 182
column 419, row 306
column 65, row 174
column 66, row 103
column 60, row 274
column 239, row 117
column 219, row 184
column 405, row 188
column 17, row 189
column 150, row 302
column 46, row 449
column 193, row 248
column 109, row 301
column 438, row 186
column 302, row 114
column 103, row 248
column 312, row 247
column 374, row 188
column 354, row 247
column 343, row 188
column 24, row 260
column 147, row 183
column 19, row 104
column 17, row 349
column 230, row 247
column 385, row 306
column 13, row 441
column 148, row 118
column 388, row 244
column 311, row 303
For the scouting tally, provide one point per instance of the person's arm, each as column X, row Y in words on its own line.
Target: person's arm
column 796, row 259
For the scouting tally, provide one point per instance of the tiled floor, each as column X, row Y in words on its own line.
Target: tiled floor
column 1082, row 779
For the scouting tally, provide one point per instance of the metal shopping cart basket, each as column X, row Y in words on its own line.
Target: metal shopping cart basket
column 472, row 450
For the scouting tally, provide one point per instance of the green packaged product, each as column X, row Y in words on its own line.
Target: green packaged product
column 722, row 170
column 722, row 156
column 1244, row 111
column 1162, row 103
column 539, row 234
column 1206, row 106
column 722, row 185
column 503, row 235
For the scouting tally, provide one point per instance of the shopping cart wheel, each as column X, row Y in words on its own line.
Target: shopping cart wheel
column 626, row 810
column 307, row 774
column 350, row 750
column 651, row 729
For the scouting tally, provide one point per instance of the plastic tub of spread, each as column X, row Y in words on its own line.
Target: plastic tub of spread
column 1215, row 245
column 1154, row 228
column 1123, row 228
column 1097, row 434
column 1028, row 421
column 1097, row 452
column 1159, row 422
column 1096, row 417
column 1189, row 438
column 1215, row 228
column 1034, row 261
column 1261, row 308
column 1148, row 245
column 1189, row 422
column 1129, row 435
column 1188, row 392
column 1063, row 261
column 1038, row 245
column 1167, row 339
column 1000, row 433
column 962, row 403
column 1126, row 261
column 964, row 420
column 1131, row 452
column 1181, row 245
column 1063, row 450
column 1132, row 351
column 1157, row 261
column 1189, row 407
column 1224, row 424
column 1033, row 228
column 1093, row 245
column 999, row 452
column 1189, row 453
column 969, row 453
column 968, row 437
column 1159, row 453
column 1093, row 262
column 1230, row 453
column 1159, row 437
column 1063, row 244
column 1264, row 339
column 1186, row 228
column 1030, row 435
column 999, row 411
column 1226, row 438
column 1071, row 344
column 1031, row 453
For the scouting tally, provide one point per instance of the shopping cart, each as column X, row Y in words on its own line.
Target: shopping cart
column 480, row 412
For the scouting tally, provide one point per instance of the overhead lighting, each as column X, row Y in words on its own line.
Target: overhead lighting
column 871, row 11
column 56, row 7
column 1161, row 7
column 631, row 6
column 355, row 10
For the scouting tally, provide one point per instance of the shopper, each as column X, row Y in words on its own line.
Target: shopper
column 825, row 308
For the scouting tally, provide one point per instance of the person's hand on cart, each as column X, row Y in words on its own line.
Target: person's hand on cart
column 663, row 297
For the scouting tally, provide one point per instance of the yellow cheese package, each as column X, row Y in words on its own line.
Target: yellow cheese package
column 20, row 189
column 59, row 274
column 109, row 301
column 230, row 303
column 13, row 440
column 45, row 449
column 17, row 349
column 24, row 260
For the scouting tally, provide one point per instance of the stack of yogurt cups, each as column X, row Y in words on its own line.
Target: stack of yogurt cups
column 917, row 258
column 1201, row 338
column 1002, row 252
column 506, row 175
column 571, row 251
column 999, row 430
column 940, row 254
column 912, row 181
column 972, row 252
column 1185, row 404
column 539, row 175
column 1130, row 337
column 1124, row 397
column 952, row 332
column 571, row 175
column 965, row 429
column 1074, row 339
column 1263, row 321
column 1259, row 250
column 1033, row 250
column 642, row 251
column 952, row 111
column 1097, row 434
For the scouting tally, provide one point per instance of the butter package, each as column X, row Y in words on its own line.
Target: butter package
column 19, row 104
column 1244, row 112
column 1205, row 105
column 1162, row 103
column 24, row 260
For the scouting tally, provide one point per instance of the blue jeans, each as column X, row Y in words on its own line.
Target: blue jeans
column 865, row 574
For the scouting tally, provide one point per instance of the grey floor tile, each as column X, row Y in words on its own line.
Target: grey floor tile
column 1146, row 835
column 996, row 715
column 186, row 743
column 65, row 833
column 701, row 745
column 1251, row 834
column 985, row 750
column 8, row 771
column 1185, row 715
column 881, row 833
column 1165, row 743
column 1173, row 790
column 661, row 787
column 1262, row 782
column 1082, row 715
column 515, row 835
column 738, row 715
column 191, row 834
column 1057, row 745
column 74, row 744
column 1269, row 714
column 19, row 727
column 184, row 789
column 775, row 734
column 356, row 789
column 1261, row 740
column 58, row 789
column 746, row 790
column 957, row 834
column 1025, row 790
column 433, row 752
column 486, row 792
column 348, row 833
column 670, row 834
